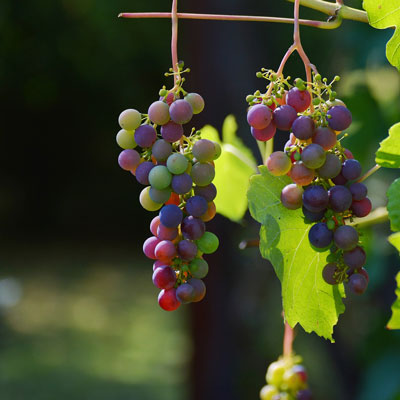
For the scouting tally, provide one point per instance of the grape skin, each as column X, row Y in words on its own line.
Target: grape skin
column 159, row 177
column 315, row 198
column 171, row 132
column 355, row 258
column 259, row 116
column 320, row 236
column 303, row 127
column 204, row 150
column 164, row 233
column 199, row 289
column 209, row 192
column 196, row 101
column 301, row 175
column 198, row 268
column 181, row 184
column 154, row 224
column 328, row 273
column 142, row 172
column 181, row 111
column 284, row 117
column 346, row 237
column 358, row 283
column 192, row 228
column 196, row 206
column 208, row 243
column 130, row 119
column 161, row 150
column 159, row 196
column 340, row 118
column 185, row 293
column 340, row 198
column 361, row 208
column 177, row 163
column 291, row 196
column 171, row 216
column 265, row 134
column 149, row 247
column 325, row 137
column 313, row 216
column 313, row 156
column 165, row 251
column 167, row 300
column 126, row 139
column 300, row 100
column 164, row 277
column 351, row 169
column 129, row 159
column 202, row 174
column 159, row 112
column 145, row 136
column 279, row 163
column 331, row 167
column 358, row 190
column 146, row 202
column 187, row 250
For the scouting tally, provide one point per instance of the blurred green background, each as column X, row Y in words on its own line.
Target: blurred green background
column 79, row 315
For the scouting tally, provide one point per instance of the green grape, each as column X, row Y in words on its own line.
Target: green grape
column 268, row 392
column 196, row 101
column 130, row 119
column 204, row 150
column 126, row 139
column 177, row 163
column 159, row 196
column 218, row 150
column 198, row 268
column 202, row 174
column 275, row 373
column 292, row 380
column 146, row 201
column 208, row 243
column 159, row 177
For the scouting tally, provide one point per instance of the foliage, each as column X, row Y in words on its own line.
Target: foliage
column 388, row 154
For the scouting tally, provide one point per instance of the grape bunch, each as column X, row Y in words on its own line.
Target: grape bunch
column 324, row 173
column 286, row 380
column 177, row 170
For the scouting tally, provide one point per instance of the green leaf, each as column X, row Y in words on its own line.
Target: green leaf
column 307, row 298
column 384, row 14
column 394, row 322
column 393, row 206
column 388, row 154
column 233, row 170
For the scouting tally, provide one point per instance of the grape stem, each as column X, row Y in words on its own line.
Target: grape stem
column 288, row 339
column 174, row 40
column 369, row 173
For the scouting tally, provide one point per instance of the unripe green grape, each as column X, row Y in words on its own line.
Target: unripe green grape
column 204, row 150
column 208, row 243
column 218, row 150
column 292, row 380
column 279, row 163
column 159, row 177
column 196, row 101
column 275, row 373
column 126, row 139
column 146, row 201
column 160, row 196
column 198, row 268
column 130, row 119
column 177, row 163
column 202, row 173
column 268, row 392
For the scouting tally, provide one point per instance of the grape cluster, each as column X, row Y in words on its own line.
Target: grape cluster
column 286, row 380
column 178, row 171
column 324, row 173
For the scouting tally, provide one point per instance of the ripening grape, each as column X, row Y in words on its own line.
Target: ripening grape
column 279, row 163
column 259, row 116
column 208, row 243
column 313, row 216
column 187, row 250
column 171, row 132
column 196, row 206
column 145, row 136
column 185, row 293
column 165, row 250
column 198, row 268
column 358, row 283
column 159, row 195
column 210, row 213
column 181, row 111
column 361, row 208
column 204, row 150
column 192, row 228
column 300, row 100
column 146, row 201
column 268, row 392
column 199, row 289
column 209, row 192
column 291, row 196
column 130, row 119
column 313, row 156
column 158, row 264
column 164, row 277
column 320, row 236
column 358, row 190
column 265, row 134
column 339, row 179
column 196, row 101
column 364, row 273
column 181, row 184
column 301, row 175
column 351, row 169
column 284, row 117
column 126, row 139
column 161, row 150
column 159, row 112
column 177, row 163
column 303, row 127
column 149, row 247
column 142, row 172
column 315, row 198
column 339, row 118
column 331, row 168
column 346, row 237
column 202, row 173
column 348, row 154
column 164, row 233
column 160, row 177
column 129, row 159
column 329, row 273
column 167, row 300
column 355, row 258
column 171, row 216
column 301, row 372
column 217, row 150
column 325, row 137
column 154, row 224
column 340, row 198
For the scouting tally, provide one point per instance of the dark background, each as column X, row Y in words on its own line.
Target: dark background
column 79, row 315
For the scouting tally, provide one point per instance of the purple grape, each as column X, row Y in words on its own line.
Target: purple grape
column 340, row 198
column 346, row 237
column 355, row 258
column 196, row 206
column 187, row 250
column 199, row 289
column 325, row 137
column 300, row 100
column 351, row 169
column 181, row 184
column 171, row 132
column 340, row 118
column 164, row 277
column 202, row 174
column 313, row 156
column 171, row 216
column 328, row 273
column 149, row 247
column 303, row 127
column 320, row 236
column 164, row 233
column 159, row 112
column 181, row 111
column 265, row 134
column 284, row 117
column 339, row 180
column 358, row 283
column 358, row 190
column 129, row 159
column 161, row 150
column 315, row 198
column 204, row 150
column 361, row 208
column 304, row 394
column 145, row 136
column 331, row 167
column 192, row 228
column 259, row 116
column 167, row 300
column 313, row 216
column 209, row 192
column 185, row 293
column 142, row 172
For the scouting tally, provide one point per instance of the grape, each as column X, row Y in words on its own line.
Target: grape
column 336, row 102
column 165, row 251
column 160, row 177
column 320, row 236
column 126, row 139
column 351, row 169
column 146, row 202
column 208, row 243
column 145, row 136
column 340, row 118
column 164, row 277
column 196, row 206
column 304, row 394
column 167, row 300
column 129, row 159
column 192, row 228
column 209, row 192
column 291, row 380
column 364, row 273
column 185, row 293
column 164, row 233
column 313, row 156
column 339, row 180
column 171, row 132
column 331, row 167
column 204, row 150
column 340, row 198
column 130, row 119
column 196, row 101
column 303, row 127
column 346, row 237
column 300, row 174
column 259, row 116
column 177, row 163
column 171, row 216
column 161, row 150
column 187, row 250
column 181, row 111
column 154, row 224
column 264, row 134
column 275, row 373
column 291, row 196
column 217, row 150
column 313, row 216
column 149, row 247
column 199, row 289
column 355, row 258
column 158, row 264
column 315, row 198
column 202, row 174
column 358, row 283
column 301, row 372
column 300, row 100
column 174, row 199
column 268, row 392
column 198, row 268
column 329, row 272
column 181, row 184
column 358, row 190
column 159, row 112
column 159, row 196
column 210, row 213
column 169, row 99
column 348, row 154
column 325, row 137
column 361, row 208
column 279, row 163
column 142, row 172
column 284, row 117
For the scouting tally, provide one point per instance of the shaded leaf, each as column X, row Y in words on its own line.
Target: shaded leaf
column 388, row 154
column 394, row 205
column 394, row 322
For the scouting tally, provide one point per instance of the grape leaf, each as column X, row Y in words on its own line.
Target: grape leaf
column 384, row 14
column 394, row 322
column 388, row 154
column 307, row 298
column 233, row 170
column 393, row 206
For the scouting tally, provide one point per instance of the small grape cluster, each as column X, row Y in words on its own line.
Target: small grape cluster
column 178, row 171
column 324, row 173
column 286, row 380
